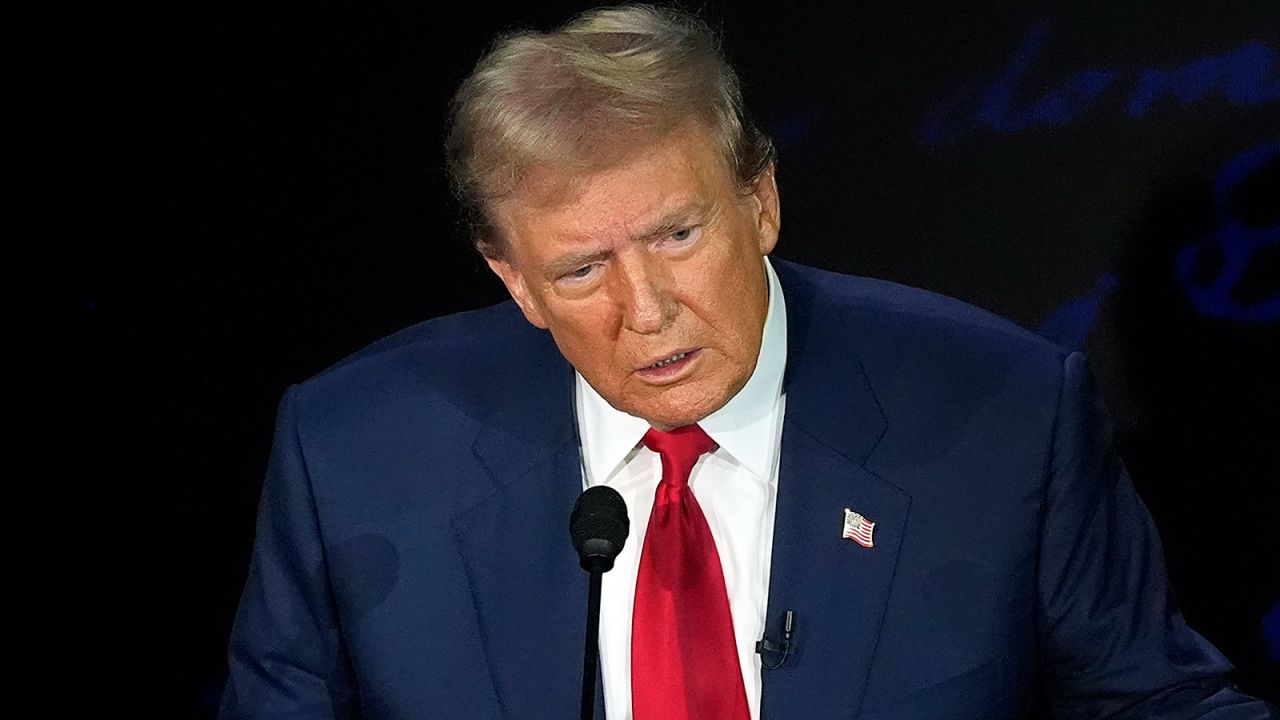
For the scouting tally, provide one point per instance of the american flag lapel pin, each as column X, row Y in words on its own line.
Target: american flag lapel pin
column 858, row 528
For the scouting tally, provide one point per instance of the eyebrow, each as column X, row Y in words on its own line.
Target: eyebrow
column 670, row 222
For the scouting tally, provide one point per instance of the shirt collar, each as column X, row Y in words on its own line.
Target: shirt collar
column 744, row 427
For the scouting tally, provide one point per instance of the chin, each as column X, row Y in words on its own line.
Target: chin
column 671, row 422
column 680, row 410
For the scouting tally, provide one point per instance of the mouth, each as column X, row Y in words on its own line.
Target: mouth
column 671, row 368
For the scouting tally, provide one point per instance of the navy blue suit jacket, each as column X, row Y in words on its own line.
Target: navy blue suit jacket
column 412, row 557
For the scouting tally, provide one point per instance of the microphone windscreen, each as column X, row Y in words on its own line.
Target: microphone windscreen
column 599, row 524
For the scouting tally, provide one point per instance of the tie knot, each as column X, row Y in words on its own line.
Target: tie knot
column 680, row 449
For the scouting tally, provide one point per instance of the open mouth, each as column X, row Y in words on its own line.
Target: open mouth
column 673, row 359
column 671, row 368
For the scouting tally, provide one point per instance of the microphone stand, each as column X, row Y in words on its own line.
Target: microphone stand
column 593, row 646
column 598, row 528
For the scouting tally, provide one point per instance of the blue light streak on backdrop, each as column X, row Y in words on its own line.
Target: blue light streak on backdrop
column 1247, row 76
column 1238, row 242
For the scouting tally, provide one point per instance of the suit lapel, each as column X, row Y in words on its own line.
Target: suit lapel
column 837, row 588
column 528, row 590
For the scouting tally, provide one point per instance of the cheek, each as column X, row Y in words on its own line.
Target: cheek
column 585, row 334
column 723, row 302
column 734, row 316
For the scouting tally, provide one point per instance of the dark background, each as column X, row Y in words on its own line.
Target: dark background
column 262, row 192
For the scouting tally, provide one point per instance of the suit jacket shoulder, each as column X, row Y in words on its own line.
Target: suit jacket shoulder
column 935, row 367
column 889, row 322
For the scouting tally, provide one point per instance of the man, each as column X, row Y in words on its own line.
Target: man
column 928, row 491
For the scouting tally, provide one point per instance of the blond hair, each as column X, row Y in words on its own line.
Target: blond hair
column 582, row 96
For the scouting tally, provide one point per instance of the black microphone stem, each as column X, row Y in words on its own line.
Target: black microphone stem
column 592, row 649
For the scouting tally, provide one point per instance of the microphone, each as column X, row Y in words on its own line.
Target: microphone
column 784, row 648
column 598, row 528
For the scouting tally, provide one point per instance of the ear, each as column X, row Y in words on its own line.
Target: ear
column 514, row 280
column 768, row 209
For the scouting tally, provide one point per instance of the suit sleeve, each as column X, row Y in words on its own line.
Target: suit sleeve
column 1113, row 642
column 286, row 656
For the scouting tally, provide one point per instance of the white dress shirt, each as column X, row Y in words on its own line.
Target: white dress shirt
column 736, row 486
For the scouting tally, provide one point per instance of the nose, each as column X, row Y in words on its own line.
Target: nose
column 643, row 292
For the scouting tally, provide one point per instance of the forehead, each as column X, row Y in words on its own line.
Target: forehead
column 681, row 170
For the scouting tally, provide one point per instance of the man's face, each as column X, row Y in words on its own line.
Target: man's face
column 649, row 276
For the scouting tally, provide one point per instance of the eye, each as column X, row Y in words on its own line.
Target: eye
column 686, row 235
column 580, row 275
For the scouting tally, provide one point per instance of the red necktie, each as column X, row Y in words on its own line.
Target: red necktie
column 684, row 662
